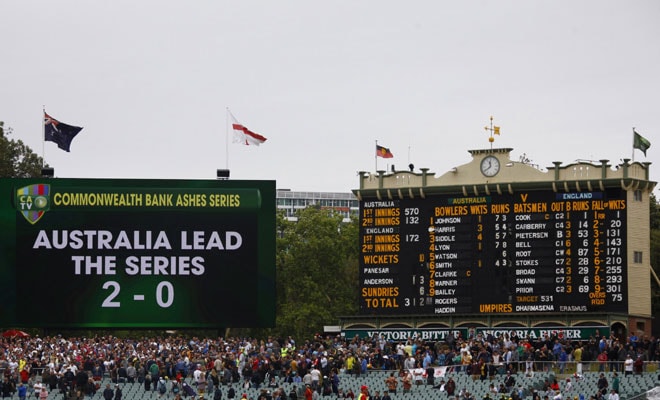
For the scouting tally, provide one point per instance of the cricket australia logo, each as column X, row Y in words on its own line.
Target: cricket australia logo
column 33, row 201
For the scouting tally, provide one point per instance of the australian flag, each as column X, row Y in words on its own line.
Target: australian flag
column 58, row 132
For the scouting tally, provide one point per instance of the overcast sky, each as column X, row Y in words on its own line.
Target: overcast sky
column 150, row 82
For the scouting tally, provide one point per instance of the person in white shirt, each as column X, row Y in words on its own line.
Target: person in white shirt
column 400, row 350
column 628, row 365
column 324, row 360
column 37, row 388
column 107, row 364
column 197, row 375
column 409, row 363
column 613, row 395
column 13, row 366
column 418, row 375
column 316, row 377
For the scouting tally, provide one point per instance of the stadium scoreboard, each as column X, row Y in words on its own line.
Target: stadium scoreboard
column 521, row 252
column 137, row 253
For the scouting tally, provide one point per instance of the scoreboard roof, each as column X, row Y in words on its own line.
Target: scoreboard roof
column 469, row 179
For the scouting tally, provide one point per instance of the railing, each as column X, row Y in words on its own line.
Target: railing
column 557, row 367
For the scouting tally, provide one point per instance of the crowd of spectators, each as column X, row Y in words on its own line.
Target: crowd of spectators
column 76, row 365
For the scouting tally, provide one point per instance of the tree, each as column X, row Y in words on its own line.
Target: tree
column 654, row 213
column 317, row 271
column 655, row 253
column 16, row 159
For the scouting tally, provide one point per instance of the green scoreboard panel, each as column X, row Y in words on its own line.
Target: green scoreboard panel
column 527, row 252
column 137, row 253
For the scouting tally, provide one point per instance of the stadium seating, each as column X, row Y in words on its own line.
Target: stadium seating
column 630, row 386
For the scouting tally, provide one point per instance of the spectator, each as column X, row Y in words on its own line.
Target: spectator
column 108, row 393
column 509, row 381
column 118, row 393
column 602, row 361
column 628, row 365
column 406, row 382
column 22, row 391
column 364, row 393
column 418, row 375
column 131, row 373
column 7, row 388
column 638, row 365
column 602, row 383
column 615, row 382
column 613, row 395
column 450, row 387
column 391, row 383
column 90, row 387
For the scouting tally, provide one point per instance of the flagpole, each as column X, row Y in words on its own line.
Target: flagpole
column 227, row 138
column 43, row 136
column 376, row 156
column 633, row 145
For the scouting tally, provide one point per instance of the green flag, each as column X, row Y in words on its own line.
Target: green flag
column 640, row 142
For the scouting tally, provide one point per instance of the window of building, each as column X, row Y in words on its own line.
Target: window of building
column 637, row 195
column 637, row 257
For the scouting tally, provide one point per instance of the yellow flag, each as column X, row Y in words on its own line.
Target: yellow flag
column 496, row 130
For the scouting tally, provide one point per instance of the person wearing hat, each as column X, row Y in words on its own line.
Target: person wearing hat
column 364, row 393
column 162, row 386
column 406, row 381
column 118, row 393
column 309, row 394
column 628, row 365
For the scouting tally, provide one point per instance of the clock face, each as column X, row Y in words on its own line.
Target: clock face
column 490, row 166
